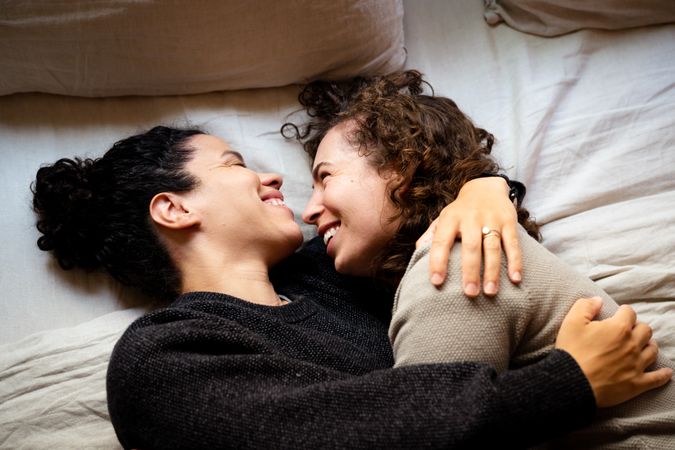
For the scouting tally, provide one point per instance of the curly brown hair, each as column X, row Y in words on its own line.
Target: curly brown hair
column 425, row 138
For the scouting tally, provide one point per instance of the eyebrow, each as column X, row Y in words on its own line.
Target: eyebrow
column 315, row 170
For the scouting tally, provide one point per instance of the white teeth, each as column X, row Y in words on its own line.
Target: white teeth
column 330, row 233
column 274, row 201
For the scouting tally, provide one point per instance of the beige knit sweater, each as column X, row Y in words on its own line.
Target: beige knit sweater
column 515, row 328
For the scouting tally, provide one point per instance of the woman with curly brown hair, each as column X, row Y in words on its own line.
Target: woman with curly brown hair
column 387, row 158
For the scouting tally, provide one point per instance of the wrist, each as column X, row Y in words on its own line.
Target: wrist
column 516, row 189
column 559, row 396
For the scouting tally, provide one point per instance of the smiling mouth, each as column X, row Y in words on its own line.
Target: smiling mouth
column 328, row 235
column 274, row 202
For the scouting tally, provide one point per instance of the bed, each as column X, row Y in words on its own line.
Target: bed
column 583, row 112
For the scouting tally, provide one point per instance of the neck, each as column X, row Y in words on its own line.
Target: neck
column 235, row 274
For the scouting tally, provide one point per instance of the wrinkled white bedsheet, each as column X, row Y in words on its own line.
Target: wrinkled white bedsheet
column 52, row 386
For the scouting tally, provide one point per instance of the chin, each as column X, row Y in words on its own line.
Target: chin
column 283, row 252
column 295, row 240
column 299, row 239
column 294, row 236
column 285, row 245
column 350, row 268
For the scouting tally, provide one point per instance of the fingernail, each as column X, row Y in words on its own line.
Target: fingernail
column 490, row 288
column 471, row 289
column 436, row 279
column 516, row 277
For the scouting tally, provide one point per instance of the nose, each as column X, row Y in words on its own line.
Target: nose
column 313, row 209
column 271, row 179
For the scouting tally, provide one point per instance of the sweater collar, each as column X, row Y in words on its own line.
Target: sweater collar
column 214, row 302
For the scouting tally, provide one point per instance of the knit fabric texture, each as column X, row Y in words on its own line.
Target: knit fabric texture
column 517, row 327
column 214, row 371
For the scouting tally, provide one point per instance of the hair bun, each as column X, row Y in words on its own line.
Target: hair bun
column 65, row 202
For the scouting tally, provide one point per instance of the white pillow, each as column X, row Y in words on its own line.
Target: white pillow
column 556, row 17
column 152, row 47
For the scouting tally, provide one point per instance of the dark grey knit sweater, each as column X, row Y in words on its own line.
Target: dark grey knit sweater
column 214, row 371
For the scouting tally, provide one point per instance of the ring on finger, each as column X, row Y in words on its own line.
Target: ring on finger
column 487, row 231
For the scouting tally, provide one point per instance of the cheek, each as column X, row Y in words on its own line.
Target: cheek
column 338, row 196
column 361, row 205
column 368, row 230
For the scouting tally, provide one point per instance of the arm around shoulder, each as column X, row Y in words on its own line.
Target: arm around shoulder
column 184, row 391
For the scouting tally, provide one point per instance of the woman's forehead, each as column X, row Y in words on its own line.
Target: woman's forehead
column 335, row 143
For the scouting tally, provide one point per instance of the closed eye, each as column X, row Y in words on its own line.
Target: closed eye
column 232, row 158
column 233, row 164
column 319, row 172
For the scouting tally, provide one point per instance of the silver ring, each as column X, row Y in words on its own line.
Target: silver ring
column 487, row 231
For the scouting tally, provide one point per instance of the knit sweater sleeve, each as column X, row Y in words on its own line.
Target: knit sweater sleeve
column 516, row 327
column 181, row 382
column 432, row 325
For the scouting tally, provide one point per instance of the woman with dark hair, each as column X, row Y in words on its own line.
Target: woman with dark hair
column 266, row 347
column 86, row 229
column 387, row 158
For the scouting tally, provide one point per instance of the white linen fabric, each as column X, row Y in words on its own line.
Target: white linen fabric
column 555, row 17
column 585, row 120
column 153, row 47
column 52, row 386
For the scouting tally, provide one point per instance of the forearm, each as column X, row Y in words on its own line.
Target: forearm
column 258, row 401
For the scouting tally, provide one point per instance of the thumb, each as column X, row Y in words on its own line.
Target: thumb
column 584, row 310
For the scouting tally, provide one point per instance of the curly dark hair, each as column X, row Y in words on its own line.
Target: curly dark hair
column 425, row 138
column 94, row 213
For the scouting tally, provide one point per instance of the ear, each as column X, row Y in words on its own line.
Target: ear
column 405, row 185
column 402, row 181
column 170, row 210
